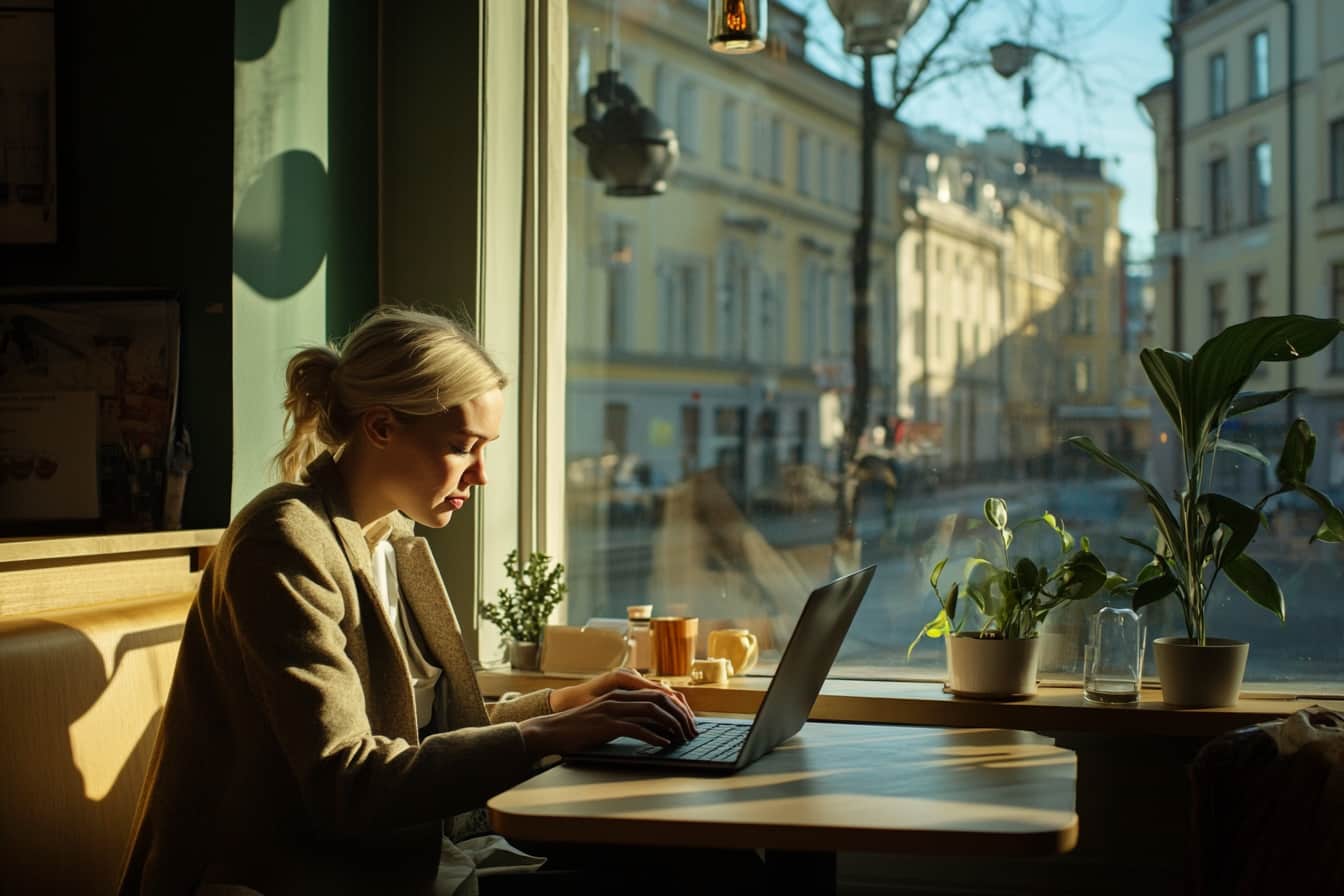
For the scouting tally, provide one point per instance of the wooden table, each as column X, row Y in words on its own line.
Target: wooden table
column 862, row 788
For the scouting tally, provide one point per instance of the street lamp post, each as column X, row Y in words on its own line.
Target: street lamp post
column 872, row 28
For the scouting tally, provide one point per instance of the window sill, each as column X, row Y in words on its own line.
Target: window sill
column 1053, row 709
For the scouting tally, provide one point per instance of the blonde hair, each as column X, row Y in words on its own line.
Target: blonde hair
column 411, row 362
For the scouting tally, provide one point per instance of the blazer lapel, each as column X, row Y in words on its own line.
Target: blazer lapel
column 423, row 590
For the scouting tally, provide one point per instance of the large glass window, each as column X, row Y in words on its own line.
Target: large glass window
column 1014, row 272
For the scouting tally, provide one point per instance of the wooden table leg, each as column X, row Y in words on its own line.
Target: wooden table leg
column 787, row 871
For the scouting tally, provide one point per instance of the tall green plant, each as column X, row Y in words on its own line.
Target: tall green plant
column 1206, row 533
column 538, row 588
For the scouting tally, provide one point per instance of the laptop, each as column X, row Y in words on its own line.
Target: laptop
column 728, row 745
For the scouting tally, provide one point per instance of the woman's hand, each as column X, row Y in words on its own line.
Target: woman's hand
column 647, row 711
column 624, row 679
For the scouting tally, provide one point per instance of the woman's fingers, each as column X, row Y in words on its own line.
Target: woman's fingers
column 638, row 732
column 666, row 704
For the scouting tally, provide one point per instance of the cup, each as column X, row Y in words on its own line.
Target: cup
column 711, row 671
column 1113, row 660
column 737, row 645
column 673, row 644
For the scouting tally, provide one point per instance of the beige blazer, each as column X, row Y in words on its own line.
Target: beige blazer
column 288, row 759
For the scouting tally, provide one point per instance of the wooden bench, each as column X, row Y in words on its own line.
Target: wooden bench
column 89, row 630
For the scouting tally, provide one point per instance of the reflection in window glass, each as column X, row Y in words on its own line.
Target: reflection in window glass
column 1259, row 65
column 1015, row 274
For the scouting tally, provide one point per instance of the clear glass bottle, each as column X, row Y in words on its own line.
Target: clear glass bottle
column 1113, row 658
column 637, row 632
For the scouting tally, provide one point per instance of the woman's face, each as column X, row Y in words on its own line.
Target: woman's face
column 433, row 461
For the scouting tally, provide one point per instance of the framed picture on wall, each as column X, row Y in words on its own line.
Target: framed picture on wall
column 88, row 409
column 28, row 122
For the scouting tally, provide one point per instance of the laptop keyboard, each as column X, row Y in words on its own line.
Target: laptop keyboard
column 716, row 742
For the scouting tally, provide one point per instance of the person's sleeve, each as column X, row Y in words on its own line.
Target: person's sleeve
column 286, row 613
column 537, row 703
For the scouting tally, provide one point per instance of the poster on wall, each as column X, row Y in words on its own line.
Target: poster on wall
column 120, row 348
column 27, row 121
column 49, row 455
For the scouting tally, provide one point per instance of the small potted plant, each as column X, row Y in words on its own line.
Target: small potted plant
column 522, row 611
column 1013, row 597
column 1207, row 534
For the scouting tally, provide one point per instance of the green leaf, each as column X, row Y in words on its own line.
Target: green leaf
column 1299, row 449
column 937, row 573
column 1332, row 528
column 1153, row 590
column 951, row 606
column 1223, row 364
column 1085, row 575
column 1246, row 402
column 1169, row 373
column 1166, row 522
column 935, row 628
column 1138, row 544
column 1256, row 583
column 1149, row 571
column 1028, row 577
column 1242, row 523
column 1243, row 449
column 996, row 512
column 1115, row 581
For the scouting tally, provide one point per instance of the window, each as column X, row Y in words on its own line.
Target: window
column 1259, row 67
column 1217, row 85
column 1256, row 307
column 1217, row 308
column 1337, row 159
column 1337, row 310
column 688, row 117
column 1258, row 179
column 709, row 340
column 681, row 288
column 728, row 135
column 1220, row 197
column 824, row 171
column 804, row 163
column 621, row 284
column 776, row 151
column 580, row 69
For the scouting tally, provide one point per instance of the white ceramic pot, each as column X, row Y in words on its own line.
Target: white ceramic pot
column 523, row 655
column 1200, row 676
column 995, row 668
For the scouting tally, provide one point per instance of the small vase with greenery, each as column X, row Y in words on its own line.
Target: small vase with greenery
column 1013, row 596
column 522, row 611
column 1207, row 534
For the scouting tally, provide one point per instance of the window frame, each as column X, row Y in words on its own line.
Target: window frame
column 1336, row 285
column 1255, row 89
column 1220, row 200
column 1217, row 84
column 1335, row 139
column 1258, row 190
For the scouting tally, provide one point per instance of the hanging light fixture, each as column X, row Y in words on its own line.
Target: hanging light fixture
column 874, row 27
column 629, row 149
column 737, row 26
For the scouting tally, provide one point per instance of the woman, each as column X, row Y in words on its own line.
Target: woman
column 324, row 730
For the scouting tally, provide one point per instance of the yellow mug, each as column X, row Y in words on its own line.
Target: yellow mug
column 737, row 645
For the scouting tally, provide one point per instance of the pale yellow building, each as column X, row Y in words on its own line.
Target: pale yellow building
column 1251, row 210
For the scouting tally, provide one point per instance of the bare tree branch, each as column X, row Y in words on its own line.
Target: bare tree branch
column 953, row 19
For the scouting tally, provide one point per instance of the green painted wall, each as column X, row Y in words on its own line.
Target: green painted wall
column 304, row 203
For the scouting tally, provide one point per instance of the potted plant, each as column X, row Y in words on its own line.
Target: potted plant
column 1207, row 534
column 1013, row 596
column 522, row 611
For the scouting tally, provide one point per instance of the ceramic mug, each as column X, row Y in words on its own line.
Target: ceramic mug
column 714, row 670
column 737, row 645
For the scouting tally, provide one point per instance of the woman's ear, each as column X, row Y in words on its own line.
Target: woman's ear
column 378, row 424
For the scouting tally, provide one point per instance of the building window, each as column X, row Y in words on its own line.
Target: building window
column 1256, row 307
column 1259, row 68
column 681, row 287
column 1081, row 317
column 776, row 150
column 760, row 146
column 1220, row 197
column 824, row 171
column 731, row 320
column 621, row 283
column 1082, row 376
column 1217, row 85
column 1258, row 181
column 1337, row 310
column 1084, row 264
column 580, row 68
column 688, row 118
column 1082, row 215
column 664, row 95
column 1217, row 308
column 921, row 337
column 616, row 428
column 1337, row 159
column 728, row 134
column 804, row 163
column 917, row 254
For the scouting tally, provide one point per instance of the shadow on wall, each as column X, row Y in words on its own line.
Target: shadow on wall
column 77, row 744
column 280, row 233
column 255, row 26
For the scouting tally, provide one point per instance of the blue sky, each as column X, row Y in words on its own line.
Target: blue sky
column 1119, row 52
